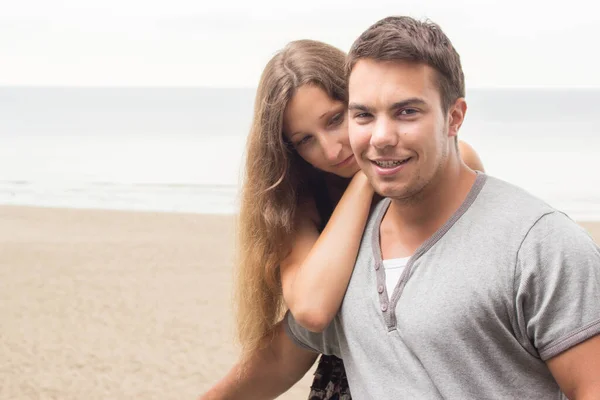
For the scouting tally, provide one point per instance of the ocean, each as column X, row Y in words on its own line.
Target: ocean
column 181, row 149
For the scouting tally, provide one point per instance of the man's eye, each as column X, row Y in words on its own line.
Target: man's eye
column 362, row 115
column 408, row 111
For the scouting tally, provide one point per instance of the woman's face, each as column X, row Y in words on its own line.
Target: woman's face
column 316, row 126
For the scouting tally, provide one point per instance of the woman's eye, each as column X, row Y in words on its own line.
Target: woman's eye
column 303, row 141
column 337, row 119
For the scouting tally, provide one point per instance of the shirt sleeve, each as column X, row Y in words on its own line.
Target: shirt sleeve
column 325, row 342
column 557, row 286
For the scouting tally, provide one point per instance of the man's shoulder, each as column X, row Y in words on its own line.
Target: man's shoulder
column 513, row 195
column 559, row 232
column 504, row 212
column 509, row 202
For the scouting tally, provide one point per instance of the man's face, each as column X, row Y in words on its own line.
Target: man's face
column 398, row 130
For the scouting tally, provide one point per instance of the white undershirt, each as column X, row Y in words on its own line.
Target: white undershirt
column 393, row 269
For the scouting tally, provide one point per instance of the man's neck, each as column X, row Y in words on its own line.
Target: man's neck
column 407, row 225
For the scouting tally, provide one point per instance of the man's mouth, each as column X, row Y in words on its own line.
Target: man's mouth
column 390, row 163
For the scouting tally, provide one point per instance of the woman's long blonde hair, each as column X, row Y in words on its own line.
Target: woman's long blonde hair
column 275, row 176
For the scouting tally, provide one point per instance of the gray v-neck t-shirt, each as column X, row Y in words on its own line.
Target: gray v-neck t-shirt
column 507, row 283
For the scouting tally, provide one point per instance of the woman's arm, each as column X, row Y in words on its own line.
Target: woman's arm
column 271, row 371
column 470, row 157
column 316, row 273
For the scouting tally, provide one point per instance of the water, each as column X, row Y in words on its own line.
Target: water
column 167, row 149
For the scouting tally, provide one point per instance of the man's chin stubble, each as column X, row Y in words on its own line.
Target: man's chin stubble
column 410, row 196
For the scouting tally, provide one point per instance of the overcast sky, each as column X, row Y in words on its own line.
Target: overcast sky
column 508, row 43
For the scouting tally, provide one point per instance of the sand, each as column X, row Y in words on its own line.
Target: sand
column 117, row 305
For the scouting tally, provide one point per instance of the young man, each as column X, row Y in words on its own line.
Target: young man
column 500, row 293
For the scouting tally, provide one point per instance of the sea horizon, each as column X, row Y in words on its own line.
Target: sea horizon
column 181, row 149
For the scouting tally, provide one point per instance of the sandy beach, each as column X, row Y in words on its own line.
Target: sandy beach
column 117, row 305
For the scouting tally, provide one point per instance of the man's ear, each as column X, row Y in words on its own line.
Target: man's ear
column 456, row 116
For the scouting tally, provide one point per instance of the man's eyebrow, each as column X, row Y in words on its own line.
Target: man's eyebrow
column 358, row 107
column 395, row 106
column 408, row 102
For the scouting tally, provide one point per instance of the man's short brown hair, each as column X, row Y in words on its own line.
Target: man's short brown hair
column 406, row 39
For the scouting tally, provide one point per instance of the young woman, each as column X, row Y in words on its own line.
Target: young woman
column 304, row 204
